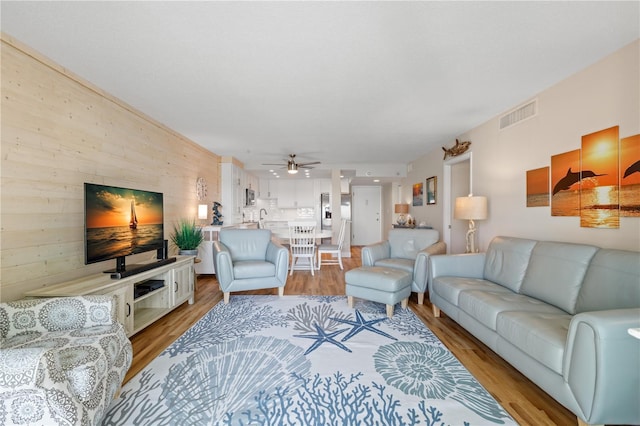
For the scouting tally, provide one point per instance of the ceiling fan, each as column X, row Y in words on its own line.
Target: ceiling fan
column 292, row 166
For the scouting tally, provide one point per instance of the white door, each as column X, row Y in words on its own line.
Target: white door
column 459, row 188
column 457, row 183
column 366, row 205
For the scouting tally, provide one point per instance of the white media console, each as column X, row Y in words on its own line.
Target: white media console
column 159, row 291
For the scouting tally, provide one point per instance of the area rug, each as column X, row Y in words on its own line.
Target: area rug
column 305, row 360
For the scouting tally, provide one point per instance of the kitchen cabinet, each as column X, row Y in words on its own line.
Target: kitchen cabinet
column 344, row 186
column 265, row 189
column 235, row 180
column 292, row 193
column 285, row 191
column 304, row 193
column 320, row 186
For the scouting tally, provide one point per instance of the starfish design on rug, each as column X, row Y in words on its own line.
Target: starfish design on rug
column 323, row 337
column 360, row 324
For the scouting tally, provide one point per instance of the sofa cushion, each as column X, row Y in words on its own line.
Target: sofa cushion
column 449, row 288
column 556, row 272
column 506, row 261
column 253, row 269
column 406, row 243
column 246, row 244
column 537, row 334
column 611, row 266
column 402, row 264
column 55, row 314
column 485, row 306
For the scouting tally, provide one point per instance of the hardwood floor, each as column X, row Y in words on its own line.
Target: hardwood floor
column 524, row 401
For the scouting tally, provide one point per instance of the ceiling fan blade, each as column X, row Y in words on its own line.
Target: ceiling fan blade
column 274, row 164
column 308, row 164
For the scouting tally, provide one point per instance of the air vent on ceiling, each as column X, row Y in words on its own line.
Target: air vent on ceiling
column 519, row 114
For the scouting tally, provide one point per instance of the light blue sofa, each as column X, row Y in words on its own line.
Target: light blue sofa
column 559, row 313
column 247, row 259
column 409, row 251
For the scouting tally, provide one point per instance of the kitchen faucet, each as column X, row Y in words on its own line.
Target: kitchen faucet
column 265, row 213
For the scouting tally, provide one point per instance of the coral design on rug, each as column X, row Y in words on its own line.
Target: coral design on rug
column 294, row 360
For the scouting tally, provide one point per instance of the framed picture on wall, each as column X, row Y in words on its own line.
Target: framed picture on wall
column 432, row 190
column 417, row 194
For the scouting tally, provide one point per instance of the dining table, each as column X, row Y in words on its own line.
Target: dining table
column 283, row 233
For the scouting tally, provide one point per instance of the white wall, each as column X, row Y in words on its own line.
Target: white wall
column 603, row 95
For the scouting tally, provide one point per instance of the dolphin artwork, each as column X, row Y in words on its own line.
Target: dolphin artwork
column 635, row 167
column 572, row 177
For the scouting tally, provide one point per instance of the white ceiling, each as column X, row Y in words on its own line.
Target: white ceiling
column 345, row 83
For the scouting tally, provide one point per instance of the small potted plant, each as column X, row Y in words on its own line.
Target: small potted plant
column 187, row 236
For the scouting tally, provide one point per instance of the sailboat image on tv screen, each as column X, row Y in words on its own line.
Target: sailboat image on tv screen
column 133, row 221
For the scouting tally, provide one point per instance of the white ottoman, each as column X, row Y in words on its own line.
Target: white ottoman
column 378, row 284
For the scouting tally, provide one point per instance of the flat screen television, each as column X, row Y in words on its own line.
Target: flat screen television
column 120, row 222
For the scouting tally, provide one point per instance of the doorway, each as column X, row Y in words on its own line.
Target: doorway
column 457, row 183
column 366, row 204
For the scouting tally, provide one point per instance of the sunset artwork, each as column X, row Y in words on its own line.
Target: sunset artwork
column 120, row 222
column 538, row 187
column 630, row 176
column 417, row 194
column 565, row 181
column 599, row 180
column 112, row 207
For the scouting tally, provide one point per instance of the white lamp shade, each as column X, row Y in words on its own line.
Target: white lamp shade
column 470, row 208
column 202, row 211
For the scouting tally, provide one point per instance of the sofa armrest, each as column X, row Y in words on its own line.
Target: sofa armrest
column 222, row 264
column 421, row 265
column 374, row 252
column 19, row 367
column 458, row 265
column 279, row 256
column 56, row 313
column 601, row 365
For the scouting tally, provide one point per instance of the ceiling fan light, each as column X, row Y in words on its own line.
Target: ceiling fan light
column 292, row 168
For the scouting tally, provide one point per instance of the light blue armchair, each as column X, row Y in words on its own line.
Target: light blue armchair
column 409, row 251
column 247, row 259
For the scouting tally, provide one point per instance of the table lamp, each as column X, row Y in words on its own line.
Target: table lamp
column 202, row 211
column 402, row 209
column 471, row 208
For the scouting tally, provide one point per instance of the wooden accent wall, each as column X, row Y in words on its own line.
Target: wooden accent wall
column 59, row 131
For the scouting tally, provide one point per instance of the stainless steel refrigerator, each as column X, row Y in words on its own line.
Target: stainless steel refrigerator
column 345, row 206
column 325, row 211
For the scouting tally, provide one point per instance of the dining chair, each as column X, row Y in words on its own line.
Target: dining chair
column 302, row 244
column 334, row 249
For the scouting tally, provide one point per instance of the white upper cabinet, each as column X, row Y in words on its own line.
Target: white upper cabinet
column 290, row 193
column 265, row 189
column 235, row 181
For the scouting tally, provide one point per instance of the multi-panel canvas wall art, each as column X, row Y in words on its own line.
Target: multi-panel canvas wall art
column 565, row 178
column 599, row 182
column 630, row 176
column 599, row 205
column 538, row 187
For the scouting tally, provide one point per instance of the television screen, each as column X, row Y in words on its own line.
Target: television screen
column 120, row 222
